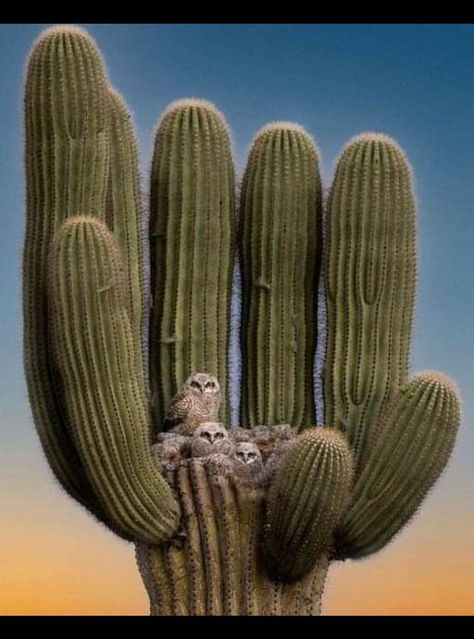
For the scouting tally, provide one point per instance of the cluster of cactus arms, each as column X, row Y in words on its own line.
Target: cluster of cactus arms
column 121, row 308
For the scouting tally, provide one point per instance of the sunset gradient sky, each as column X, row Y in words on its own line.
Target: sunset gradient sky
column 413, row 82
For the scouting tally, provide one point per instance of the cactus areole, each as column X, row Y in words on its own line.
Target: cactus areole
column 251, row 529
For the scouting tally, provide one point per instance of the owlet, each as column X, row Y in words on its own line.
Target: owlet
column 247, row 463
column 210, row 438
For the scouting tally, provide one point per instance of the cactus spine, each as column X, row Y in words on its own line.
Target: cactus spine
column 192, row 211
column 370, row 271
column 279, row 246
column 306, row 501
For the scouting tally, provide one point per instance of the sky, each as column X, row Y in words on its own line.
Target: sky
column 413, row 82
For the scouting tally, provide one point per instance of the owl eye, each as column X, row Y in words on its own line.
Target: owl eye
column 206, row 436
column 252, row 456
column 210, row 385
column 195, row 385
column 219, row 436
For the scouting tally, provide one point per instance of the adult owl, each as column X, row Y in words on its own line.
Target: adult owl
column 196, row 402
column 247, row 463
column 210, row 438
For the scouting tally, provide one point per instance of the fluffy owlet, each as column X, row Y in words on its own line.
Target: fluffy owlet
column 238, row 434
column 210, row 438
column 247, row 463
column 196, row 402
column 170, row 448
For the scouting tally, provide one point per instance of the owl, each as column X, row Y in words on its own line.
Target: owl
column 275, row 460
column 283, row 432
column 238, row 434
column 247, row 463
column 264, row 438
column 170, row 448
column 210, row 438
column 196, row 402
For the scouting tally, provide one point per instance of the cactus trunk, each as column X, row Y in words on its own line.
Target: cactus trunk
column 218, row 569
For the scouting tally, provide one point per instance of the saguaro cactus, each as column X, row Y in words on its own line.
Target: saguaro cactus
column 250, row 530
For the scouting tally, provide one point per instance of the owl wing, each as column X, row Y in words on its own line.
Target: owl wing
column 178, row 410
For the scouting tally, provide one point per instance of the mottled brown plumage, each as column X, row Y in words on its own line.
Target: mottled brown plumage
column 196, row 402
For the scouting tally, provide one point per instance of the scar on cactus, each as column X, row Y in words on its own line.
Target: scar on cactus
column 129, row 379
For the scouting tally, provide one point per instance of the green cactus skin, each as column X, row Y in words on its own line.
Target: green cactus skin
column 66, row 160
column 218, row 569
column 370, row 273
column 280, row 249
column 306, row 500
column 124, row 211
column 192, row 242
column 412, row 445
column 95, row 351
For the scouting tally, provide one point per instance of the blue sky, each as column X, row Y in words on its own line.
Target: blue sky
column 413, row 82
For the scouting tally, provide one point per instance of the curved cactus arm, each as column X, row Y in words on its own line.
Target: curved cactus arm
column 93, row 344
column 66, row 162
column 412, row 445
column 125, row 213
column 279, row 238
column 370, row 272
column 192, row 242
column 306, row 500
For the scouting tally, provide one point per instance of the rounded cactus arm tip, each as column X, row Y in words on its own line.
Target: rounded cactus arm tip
column 95, row 351
column 370, row 277
column 413, row 442
column 280, row 250
column 306, row 501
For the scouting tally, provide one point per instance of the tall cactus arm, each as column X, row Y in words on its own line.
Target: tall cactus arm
column 125, row 213
column 370, row 272
column 192, row 242
column 95, row 350
column 412, row 445
column 66, row 161
column 307, row 498
column 279, row 242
